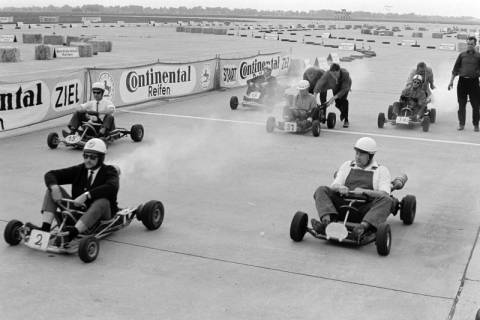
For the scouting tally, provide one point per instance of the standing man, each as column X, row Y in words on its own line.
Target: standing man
column 338, row 80
column 94, row 108
column 467, row 67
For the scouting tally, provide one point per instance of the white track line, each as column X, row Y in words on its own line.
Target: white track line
column 329, row 131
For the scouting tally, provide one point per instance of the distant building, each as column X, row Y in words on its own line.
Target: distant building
column 343, row 15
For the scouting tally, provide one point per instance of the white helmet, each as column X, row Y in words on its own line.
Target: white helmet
column 98, row 85
column 303, row 85
column 95, row 145
column 417, row 77
column 366, row 144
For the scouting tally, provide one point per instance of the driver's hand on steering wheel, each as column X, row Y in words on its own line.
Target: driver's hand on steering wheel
column 343, row 190
column 56, row 192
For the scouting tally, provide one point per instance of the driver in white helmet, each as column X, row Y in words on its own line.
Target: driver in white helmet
column 99, row 106
column 363, row 174
column 414, row 97
column 93, row 185
column 303, row 103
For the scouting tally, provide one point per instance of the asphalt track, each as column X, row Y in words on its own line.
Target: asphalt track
column 230, row 191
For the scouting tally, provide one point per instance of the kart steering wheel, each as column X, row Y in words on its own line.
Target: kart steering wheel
column 70, row 205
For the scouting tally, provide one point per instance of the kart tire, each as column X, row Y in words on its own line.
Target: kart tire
column 88, row 249
column 52, row 140
column 390, row 114
column 298, row 227
column 331, row 120
column 233, row 102
column 137, row 132
column 426, row 123
column 11, row 233
column 477, row 317
column 270, row 124
column 408, row 209
column 383, row 239
column 152, row 214
column 316, row 128
column 381, row 120
column 432, row 115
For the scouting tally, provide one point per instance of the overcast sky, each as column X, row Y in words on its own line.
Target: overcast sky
column 440, row 7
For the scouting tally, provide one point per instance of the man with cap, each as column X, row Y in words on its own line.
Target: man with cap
column 338, row 80
column 94, row 108
column 365, row 175
column 303, row 104
column 413, row 96
column 93, row 185
column 266, row 81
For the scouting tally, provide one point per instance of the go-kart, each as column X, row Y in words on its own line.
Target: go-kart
column 291, row 124
column 257, row 96
column 342, row 231
column 87, row 244
column 323, row 117
column 90, row 129
column 407, row 117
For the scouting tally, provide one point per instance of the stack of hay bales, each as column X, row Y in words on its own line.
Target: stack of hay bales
column 71, row 39
column 44, row 52
column 417, row 35
column 462, row 36
column 54, row 39
column 180, row 29
column 9, row 54
column 437, row 35
column 32, row 38
column 84, row 49
column 100, row 46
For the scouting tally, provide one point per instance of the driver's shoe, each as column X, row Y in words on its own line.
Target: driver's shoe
column 359, row 231
column 65, row 133
column 318, row 226
column 32, row 226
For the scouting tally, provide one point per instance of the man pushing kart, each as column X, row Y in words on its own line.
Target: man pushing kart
column 364, row 175
column 94, row 186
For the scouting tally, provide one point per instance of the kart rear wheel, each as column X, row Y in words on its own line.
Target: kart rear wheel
column 432, row 115
column 88, row 249
column 233, row 102
column 408, row 209
column 316, row 128
column 270, row 124
column 52, row 140
column 381, row 120
column 137, row 132
column 152, row 214
column 298, row 227
column 331, row 120
column 390, row 114
column 11, row 234
column 477, row 317
column 383, row 239
column 426, row 123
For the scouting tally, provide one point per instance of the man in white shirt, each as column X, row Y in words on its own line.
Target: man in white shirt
column 365, row 175
column 94, row 109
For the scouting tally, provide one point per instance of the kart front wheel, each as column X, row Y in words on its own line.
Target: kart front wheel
column 270, row 124
column 331, row 120
column 88, row 249
column 432, row 115
column 316, row 128
column 298, row 227
column 477, row 317
column 137, row 132
column 425, row 123
column 390, row 114
column 408, row 208
column 11, row 234
column 152, row 214
column 381, row 120
column 383, row 239
column 233, row 102
column 52, row 140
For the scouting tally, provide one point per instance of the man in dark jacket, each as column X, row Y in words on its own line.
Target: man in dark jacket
column 94, row 185
column 338, row 80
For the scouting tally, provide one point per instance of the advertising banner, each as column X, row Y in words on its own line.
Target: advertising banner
column 155, row 81
column 347, row 46
column 29, row 102
column 66, row 52
column 236, row 72
column 447, row 46
column 8, row 38
column 6, row 19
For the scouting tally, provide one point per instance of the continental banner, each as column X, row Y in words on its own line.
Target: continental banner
column 236, row 72
column 156, row 81
column 29, row 102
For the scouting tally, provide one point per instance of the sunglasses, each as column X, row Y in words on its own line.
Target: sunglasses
column 90, row 156
column 97, row 92
column 417, row 82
